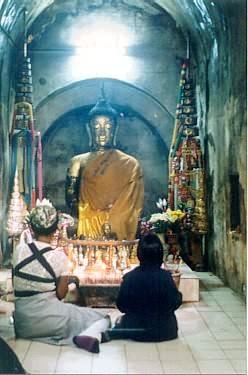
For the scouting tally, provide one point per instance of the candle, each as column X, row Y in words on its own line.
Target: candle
column 39, row 167
column 196, row 180
column 175, row 196
column 181, row 164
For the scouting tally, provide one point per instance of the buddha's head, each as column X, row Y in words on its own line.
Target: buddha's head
column 102, row 125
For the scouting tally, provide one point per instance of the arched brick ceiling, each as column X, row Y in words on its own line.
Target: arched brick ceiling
column 201, row 17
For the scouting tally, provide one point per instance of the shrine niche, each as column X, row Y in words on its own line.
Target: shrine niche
column 144, row 138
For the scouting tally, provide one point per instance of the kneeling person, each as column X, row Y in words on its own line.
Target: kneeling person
column 148, row 298
column 40, row 283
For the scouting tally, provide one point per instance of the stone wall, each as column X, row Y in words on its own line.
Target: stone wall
column 222, row 94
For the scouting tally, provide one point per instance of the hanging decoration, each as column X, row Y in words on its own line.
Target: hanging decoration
column 17, row 211
column 186, row 170
column 26, row 143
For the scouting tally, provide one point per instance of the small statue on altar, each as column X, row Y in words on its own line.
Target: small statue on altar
column 107, row 232
column 105, row 184
column 99, row 264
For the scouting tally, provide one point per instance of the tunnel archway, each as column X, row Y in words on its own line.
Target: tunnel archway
column 217, row 30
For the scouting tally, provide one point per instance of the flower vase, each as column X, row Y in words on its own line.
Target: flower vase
column 172, row 239
column 161, row 236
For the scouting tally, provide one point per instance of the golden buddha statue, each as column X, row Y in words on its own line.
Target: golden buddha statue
column 105, row 184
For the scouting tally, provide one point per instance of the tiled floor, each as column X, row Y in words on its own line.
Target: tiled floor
column 212, row 340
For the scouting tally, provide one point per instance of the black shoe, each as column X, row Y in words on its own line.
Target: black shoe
column 91, row 344
column 105, row 337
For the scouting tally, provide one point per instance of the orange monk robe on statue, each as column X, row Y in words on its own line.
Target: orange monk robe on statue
column 111, row 190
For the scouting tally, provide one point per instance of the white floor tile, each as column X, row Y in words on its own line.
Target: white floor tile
column 183, row 354
column 236, row 314
column 235, row 353
column 239, row 320
column 233, row 344
column 41, row 358
column 20, row 347
column 205, row 354
column 210, row 344
column 111, row 349
column 74, row 361
column 227, row 334
column 239, row 365
column 207, row 303
column 232, row 308
column 217, row 319
column 141, row 351
column 243, row 329
column 220, row 366
column 144, row 367
column 189, row 313
column 198, row 336
column 180, row 342
column 180, row 367
column 109, row 365
column 194, row 327
column 205, row 295
column 208, row 307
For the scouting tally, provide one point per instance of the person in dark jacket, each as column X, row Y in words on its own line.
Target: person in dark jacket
column 148, row 298
column 9, row 362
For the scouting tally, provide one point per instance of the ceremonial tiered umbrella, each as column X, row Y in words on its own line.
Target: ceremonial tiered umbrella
column 186, row 171
column 26, row 155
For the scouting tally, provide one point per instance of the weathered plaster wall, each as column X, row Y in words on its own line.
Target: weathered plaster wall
column 222, row 94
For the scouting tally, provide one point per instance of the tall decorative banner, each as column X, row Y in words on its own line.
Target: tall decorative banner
column 186, row 170
column 23, row 133
column 26, row 143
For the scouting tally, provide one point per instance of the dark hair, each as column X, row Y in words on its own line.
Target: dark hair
column 44, row 231
column 150, row 250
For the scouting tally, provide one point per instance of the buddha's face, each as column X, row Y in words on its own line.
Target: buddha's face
column 102, row 130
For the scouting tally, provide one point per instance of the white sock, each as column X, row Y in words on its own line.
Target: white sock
column 96, row 329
